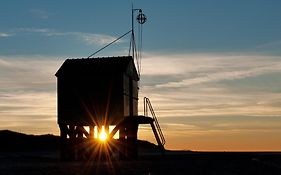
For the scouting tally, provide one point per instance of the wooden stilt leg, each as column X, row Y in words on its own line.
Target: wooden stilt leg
column 92, row 132
column 122, row 143
column 72, row 140
column 63, row 142
column 79, row 145
column 132, row 150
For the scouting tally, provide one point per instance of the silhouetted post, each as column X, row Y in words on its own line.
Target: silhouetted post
column 79, row 143
column 92, row 132
column 132, row 130
column 122, row 145
column 64, row 146
column 72, row 142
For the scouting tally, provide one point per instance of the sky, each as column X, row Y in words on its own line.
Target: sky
column 210, row 68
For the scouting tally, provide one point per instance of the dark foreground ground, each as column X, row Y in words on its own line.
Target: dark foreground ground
column 31, row 163
column 29, row 155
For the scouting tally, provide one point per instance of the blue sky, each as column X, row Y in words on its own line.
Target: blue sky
column 211, row 68
column 185, row 26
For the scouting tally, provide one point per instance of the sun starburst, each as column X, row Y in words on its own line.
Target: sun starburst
column 102, row 135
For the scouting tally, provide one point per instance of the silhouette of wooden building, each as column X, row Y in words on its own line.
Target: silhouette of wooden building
column 97, row 93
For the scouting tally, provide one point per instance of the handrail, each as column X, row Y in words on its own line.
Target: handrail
column 147, row 105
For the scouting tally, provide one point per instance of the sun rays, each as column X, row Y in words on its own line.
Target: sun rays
column 103, row 135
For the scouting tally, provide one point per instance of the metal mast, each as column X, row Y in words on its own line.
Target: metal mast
column 135, row 50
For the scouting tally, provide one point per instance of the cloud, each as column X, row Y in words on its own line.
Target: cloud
column 28, row 90
column 88, row 38
column 28, row 73
column 227, row 75
column 36, row 30
column 269, row 44
column 198, row 69
column 39, row 13
column 212, row 84
column 96, row 39
column 28, row 94
column 5, row 35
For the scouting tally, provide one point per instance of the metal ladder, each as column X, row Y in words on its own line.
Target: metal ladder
column 157, row 130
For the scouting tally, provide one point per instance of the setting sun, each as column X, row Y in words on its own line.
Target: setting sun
column 102, row 135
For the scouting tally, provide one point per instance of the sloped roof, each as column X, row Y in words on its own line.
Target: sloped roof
column 92, row 66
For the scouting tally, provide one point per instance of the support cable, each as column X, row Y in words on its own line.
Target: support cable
column 109, row 44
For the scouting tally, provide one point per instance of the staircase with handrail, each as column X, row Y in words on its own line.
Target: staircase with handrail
column 145, row 119
column 156, row 128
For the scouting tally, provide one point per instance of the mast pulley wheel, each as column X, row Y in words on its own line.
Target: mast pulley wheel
column 141, row 18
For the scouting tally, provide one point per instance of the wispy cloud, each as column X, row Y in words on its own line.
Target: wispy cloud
column 88, row 38
column 5, row 35
column 36, row 30
column 27, row 73
column 207, row 85
column 96, row 38
column 197, row 69
column 28, row 94
column 39, row 13
column 225, row 75
column 269, row 44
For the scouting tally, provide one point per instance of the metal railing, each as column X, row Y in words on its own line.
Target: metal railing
column 147, row 106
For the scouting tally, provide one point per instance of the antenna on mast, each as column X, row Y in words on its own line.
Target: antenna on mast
column 135, row 49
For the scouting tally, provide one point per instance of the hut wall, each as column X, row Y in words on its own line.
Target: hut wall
column 90, row 100
column 130, row 91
